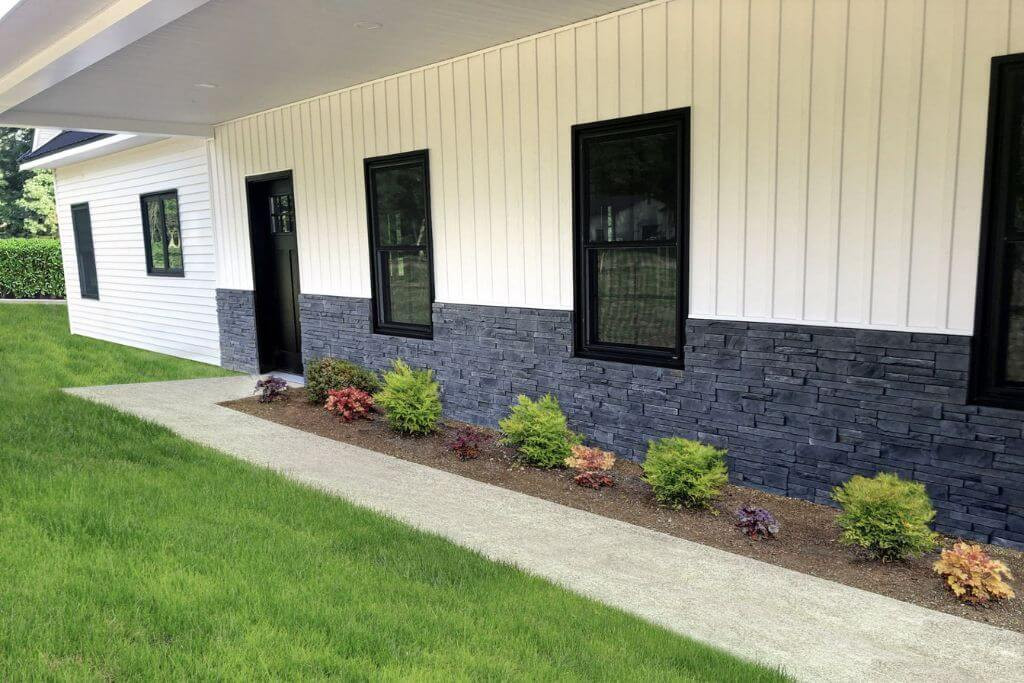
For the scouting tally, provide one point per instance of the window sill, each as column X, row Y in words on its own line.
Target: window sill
column 159, row 274
column 626, row 358
column 402, row 332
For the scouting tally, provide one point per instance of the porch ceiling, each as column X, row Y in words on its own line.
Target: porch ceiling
column 258, row 53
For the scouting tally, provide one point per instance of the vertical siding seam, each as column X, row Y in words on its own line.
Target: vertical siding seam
column 718, row 165
column 917, row 146
column 842, row 157
column 775, row 172
column 742, row 270
column 956, row 170
column 807, row 165
column 870, row 289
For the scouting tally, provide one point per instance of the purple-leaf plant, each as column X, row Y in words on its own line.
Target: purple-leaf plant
column 270, row 389
column 757, row 522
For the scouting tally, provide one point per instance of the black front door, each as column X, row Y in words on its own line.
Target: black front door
column 275, row 272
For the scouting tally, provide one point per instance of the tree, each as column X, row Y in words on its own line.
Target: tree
column 26, row 197
column 37, row 206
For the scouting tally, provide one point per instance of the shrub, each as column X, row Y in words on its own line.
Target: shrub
column 886, row 515
column 31, row 269
column 587, row 459
column 410, row 399
column 684, row 472
column 972, row 575
column 756, row 522
column 270, row 389
column 350, row 403
column 325, row 374
column 467, row 442
column 593, row 480
column 538, row 430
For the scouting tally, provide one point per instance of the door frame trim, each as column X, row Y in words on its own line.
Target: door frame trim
column 249, row 182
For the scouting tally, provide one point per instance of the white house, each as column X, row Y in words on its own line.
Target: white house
column 794, row 228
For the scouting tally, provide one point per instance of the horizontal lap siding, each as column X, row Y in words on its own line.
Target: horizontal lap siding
column 837, row 157
column 177, row 316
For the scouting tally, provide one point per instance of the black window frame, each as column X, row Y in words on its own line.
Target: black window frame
column 167, row 271
column 378, row 304
column 85, row 265
column 583, row 278
column 988, row 345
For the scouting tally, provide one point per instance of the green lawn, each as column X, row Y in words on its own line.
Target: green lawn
column 126, row 552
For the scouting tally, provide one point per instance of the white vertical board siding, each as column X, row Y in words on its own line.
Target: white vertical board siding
column 837, row 153
column 173, row 315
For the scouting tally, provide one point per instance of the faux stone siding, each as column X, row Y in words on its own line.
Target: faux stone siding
column 800, row 408
column 236, row 317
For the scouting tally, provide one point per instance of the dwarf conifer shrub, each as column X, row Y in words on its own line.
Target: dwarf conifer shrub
column 410, row 399
column 325, row 374
column 972, row 575
column 539, row 431
column 684, row 472
column 885, row 515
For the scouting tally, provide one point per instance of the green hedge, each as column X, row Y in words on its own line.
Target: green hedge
column 31, row 269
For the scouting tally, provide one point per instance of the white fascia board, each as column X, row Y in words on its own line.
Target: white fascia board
column 90, row 150
column 103, row 124
column 120, row 24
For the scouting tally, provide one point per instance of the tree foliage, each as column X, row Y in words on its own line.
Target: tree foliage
column 27, row 207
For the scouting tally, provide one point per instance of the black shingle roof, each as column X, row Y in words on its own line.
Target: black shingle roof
column 60, row 142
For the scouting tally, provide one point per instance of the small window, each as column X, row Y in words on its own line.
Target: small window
column 398, row 201
column 630, row 204
column 161, row 230
column 81, row 224
column 997, row 376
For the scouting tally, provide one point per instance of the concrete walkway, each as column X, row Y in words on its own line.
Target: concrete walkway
column 815, row 629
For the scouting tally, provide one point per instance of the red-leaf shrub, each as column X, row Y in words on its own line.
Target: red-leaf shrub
column 594, row 480
column 467, row 443
column 350, row 404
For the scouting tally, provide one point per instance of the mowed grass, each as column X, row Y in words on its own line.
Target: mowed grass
column 127, row 552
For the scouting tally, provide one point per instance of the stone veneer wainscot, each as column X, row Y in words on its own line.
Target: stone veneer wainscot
column 800, row 408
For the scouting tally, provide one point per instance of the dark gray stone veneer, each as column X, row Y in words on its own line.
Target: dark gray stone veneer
column 800, row 408
column 236, row 317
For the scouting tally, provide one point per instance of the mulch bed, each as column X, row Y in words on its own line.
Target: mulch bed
column 808, row 541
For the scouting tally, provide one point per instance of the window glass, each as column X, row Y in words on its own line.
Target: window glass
column 632, row 188
column 407, row 287
column 400, row 206
column 1015, row 316
column 636, row 296
column 173, row 234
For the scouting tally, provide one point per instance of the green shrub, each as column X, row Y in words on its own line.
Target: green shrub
column 325, row 374
column 410, row 399
column 31, row 269
column 886, row 515
column 538, row 430
column 684, row 472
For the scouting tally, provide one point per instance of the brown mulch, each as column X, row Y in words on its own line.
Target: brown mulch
column 808, row 541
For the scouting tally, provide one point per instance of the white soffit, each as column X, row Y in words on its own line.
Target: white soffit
column 265, row 53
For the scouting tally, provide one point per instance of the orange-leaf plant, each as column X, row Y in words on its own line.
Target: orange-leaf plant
column 972, row 575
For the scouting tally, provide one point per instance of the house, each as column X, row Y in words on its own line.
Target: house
column 789, row 227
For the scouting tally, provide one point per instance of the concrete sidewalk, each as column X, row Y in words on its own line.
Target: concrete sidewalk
column 815, row 629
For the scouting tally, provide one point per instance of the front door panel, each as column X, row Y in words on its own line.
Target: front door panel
column 276, row 274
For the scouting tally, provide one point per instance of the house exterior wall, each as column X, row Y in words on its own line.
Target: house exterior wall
column 837, row 157
column 173, row 315
column 837, row 153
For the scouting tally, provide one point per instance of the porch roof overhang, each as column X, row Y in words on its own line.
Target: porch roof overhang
column 178, row 67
